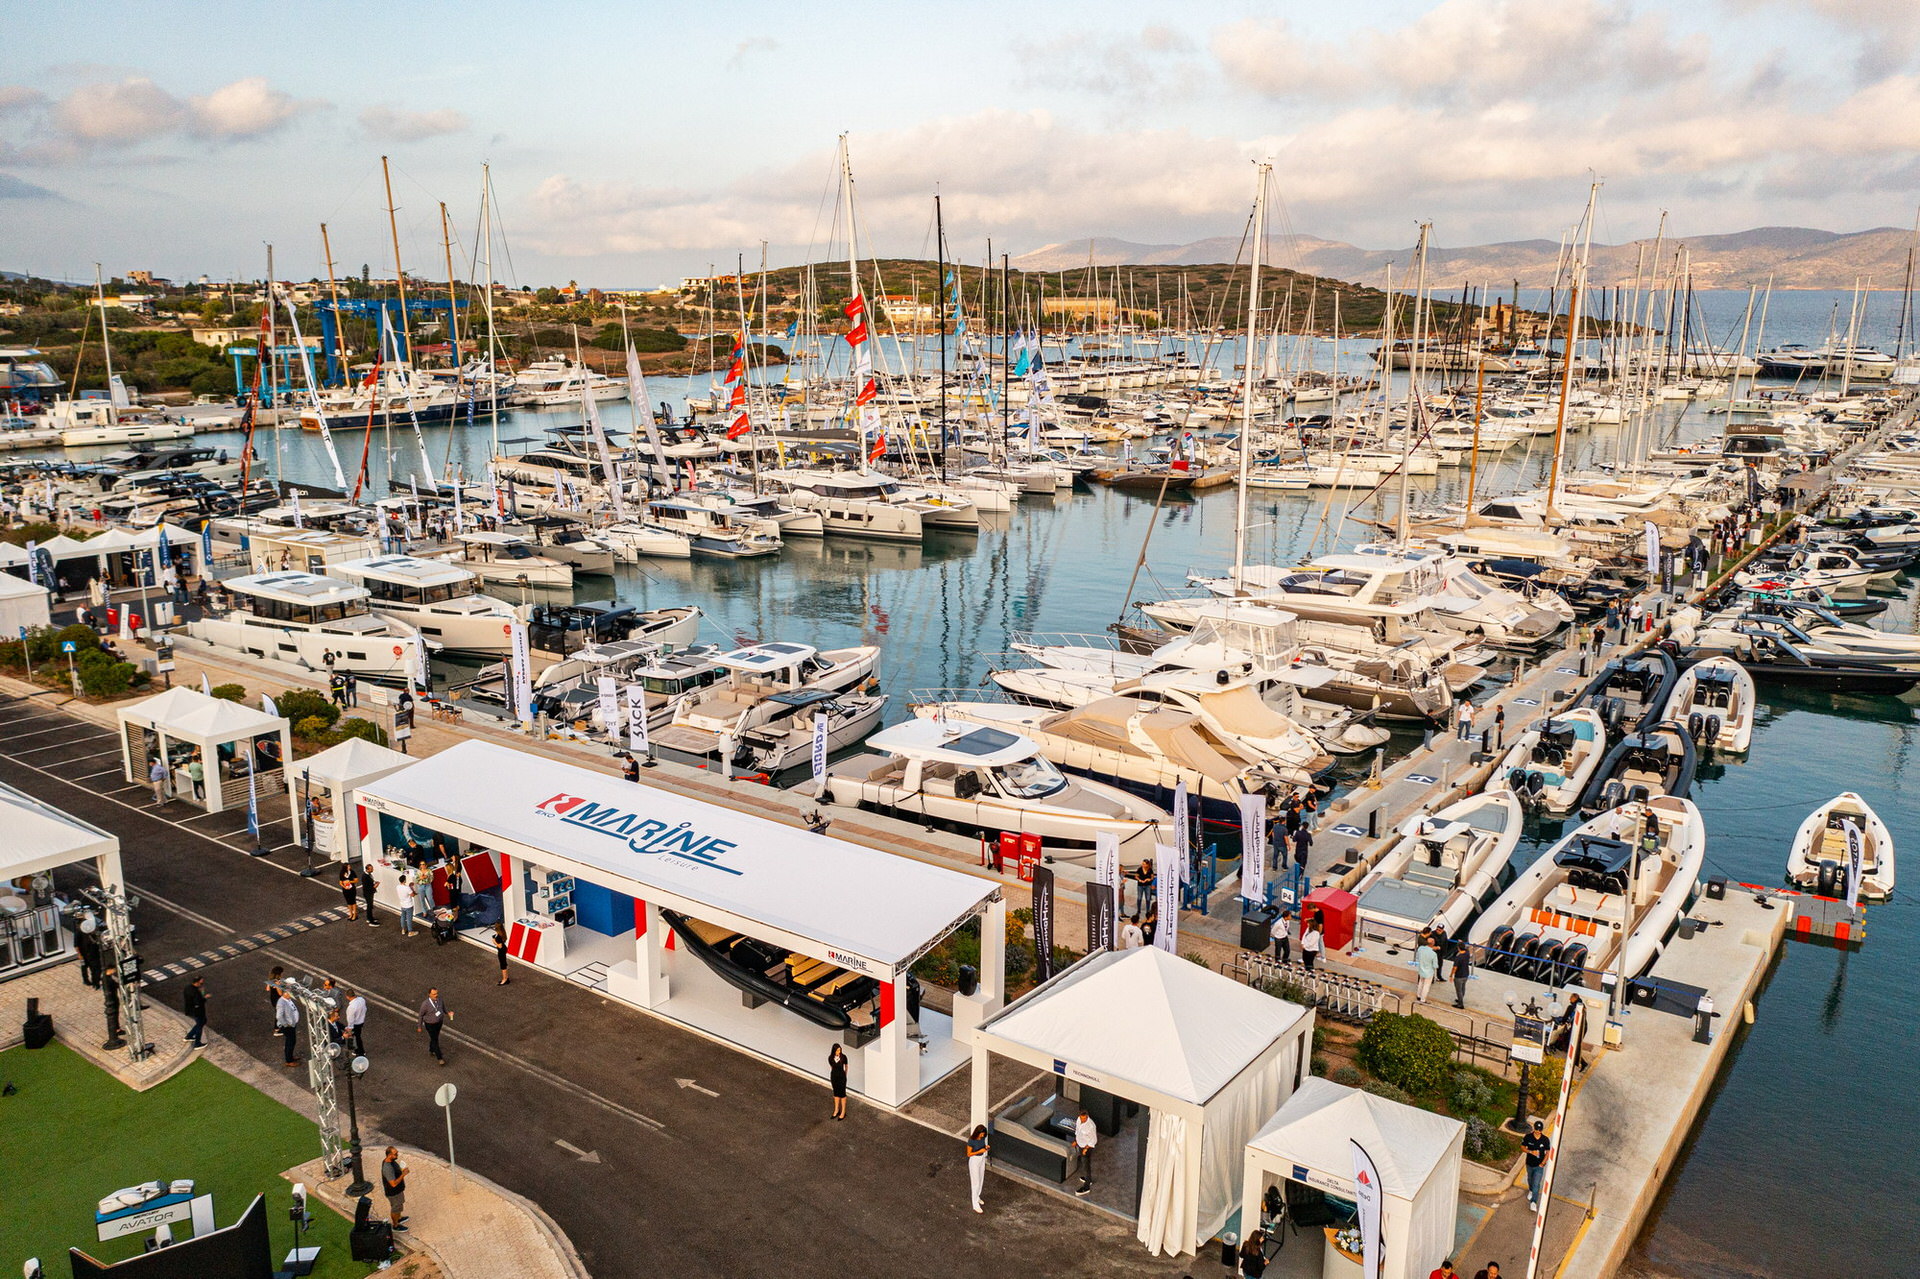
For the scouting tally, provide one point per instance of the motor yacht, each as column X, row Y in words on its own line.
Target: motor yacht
column 717, row 717
column 1441, row 869
column 440, row 600
column 303, row 617
column 960, row 776
column 511, row 560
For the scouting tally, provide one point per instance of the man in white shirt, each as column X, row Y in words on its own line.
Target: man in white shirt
column 1085, row 1138
column 286, row 1022
column 1131, row 938
column 356, row 1021
column 408, row 897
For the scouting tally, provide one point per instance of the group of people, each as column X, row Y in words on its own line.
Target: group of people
column 1432, row 948
column 1313, row 938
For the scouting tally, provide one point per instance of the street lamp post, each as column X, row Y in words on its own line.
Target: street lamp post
column 356, row 1067
column 1532, row 1013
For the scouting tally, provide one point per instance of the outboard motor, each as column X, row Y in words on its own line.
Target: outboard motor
column 1832, row 880
column 1517, row 780
column 1713, row 730
column 1696, row 722
column 1573, row 958
column 1612, row 795
column 1547, row 967
column 1526, row 948
column 1500, row 949
column 1612, row 711
column 1535, row 783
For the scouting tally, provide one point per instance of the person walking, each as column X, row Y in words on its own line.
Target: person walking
column 393, row 1181
column 1085, row 1138
column 1302, row 844
column 357, row 1021
column 1463, row 720
column 366, row 894
column 350, row 890
column 1132, row 937
column 1537, row 1145
column 434, row 1015
column 1253, row 1255
column 837, row 1077
column 286, row 1021
column 1310, row 942
column 1613, row 620
column 197, row 774
column 1445, row 1270
column 1462, row 971
column 1426, row 965
column 350, row 684
column 500, row 951
column 195, row 1004
column 977, row 1147
column 157, row 775
column 1489, row 1271
column 409, row 896
column 1500, row 729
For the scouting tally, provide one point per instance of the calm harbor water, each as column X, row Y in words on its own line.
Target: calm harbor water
column 1800, row 1160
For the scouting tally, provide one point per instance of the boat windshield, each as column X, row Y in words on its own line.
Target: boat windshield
column 1031, row 778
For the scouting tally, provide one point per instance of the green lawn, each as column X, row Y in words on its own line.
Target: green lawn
column 73, row 1133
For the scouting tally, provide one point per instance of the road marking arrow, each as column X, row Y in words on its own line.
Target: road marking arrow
column 688, row 1083
column 585, row 1156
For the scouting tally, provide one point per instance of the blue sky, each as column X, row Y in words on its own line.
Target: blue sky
column 633, row 144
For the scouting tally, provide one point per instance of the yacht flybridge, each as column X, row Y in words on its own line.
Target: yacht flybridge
column 302, row 617
column 441, row 600
column 510, row 560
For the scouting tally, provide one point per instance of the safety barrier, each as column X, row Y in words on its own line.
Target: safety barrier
column 1333, row 994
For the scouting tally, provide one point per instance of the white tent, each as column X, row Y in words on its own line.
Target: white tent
column 1211, row 1057
column 21, row 604
column 186, row 718
column 327, row 778
column 41, row 838
column 1416, row 1151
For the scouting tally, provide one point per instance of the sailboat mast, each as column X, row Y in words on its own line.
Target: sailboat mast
column 273, row 345
column 940, row 291
column 333, row 295
column 106, row 343
column 1261, row 171
column 1413, row 380
column 399, row 272
column 859, row 319
column 486, row 236
column 453, row 310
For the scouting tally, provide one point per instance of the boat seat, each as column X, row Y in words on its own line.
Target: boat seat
column 1435, row 876
column 808, row 971
column 712, row 934
column 834, row 985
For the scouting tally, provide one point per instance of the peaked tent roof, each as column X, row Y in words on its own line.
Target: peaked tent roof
column 1322, row 1117
column 12, row 587
column 1150, row 1017
column 354, row 760
column 188, row 712
column 41, row 837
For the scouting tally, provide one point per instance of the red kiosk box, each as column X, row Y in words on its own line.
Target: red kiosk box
column 1023, row 850
column 1339, row 913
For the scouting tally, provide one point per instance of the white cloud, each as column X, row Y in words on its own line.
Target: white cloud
column 114, row 114
column 395, row 125
column 244, row 109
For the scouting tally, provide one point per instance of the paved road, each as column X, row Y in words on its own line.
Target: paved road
column 755, row 1181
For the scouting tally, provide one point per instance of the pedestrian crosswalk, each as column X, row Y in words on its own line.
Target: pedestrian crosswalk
column 244, row 945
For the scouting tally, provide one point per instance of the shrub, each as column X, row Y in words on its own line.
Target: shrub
column 1291, row 991
column 1543, row 1085
column 1381, row 1088
column 1195, row 957
column 1483, row 1139
column 1471, row 1094
column 106, row 678
column 312, row 727
column 365, row 729
column 1409, row 1051
column 1319, row 1065
column 230, row 692
column 1348, row 1075
column 301, row 704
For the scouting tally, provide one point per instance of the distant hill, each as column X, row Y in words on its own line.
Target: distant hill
column 1796, row 258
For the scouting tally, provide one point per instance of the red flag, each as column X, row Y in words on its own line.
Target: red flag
column 737, row 371
column 879, row 449
column 857, row 334
column 867, row 392
column 855, row 307
column 738, row 398
column 739, row 427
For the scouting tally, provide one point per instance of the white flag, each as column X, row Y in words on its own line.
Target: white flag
column 520, row 671
column 609, row 705
column 1106, row 861
column 1182, row 832
column 206, row 686
column 819, row 748
column 1166, row 933
column 267, row 704
column 1856, row 860
column 1253, row 848
column 1366, row 1203
column 637, row 720
column 1652, row 534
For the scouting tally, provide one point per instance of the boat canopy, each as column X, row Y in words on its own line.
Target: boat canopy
column 763, row 658
column 953, row 742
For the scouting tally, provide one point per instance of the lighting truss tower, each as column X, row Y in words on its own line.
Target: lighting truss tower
column 314, row 1005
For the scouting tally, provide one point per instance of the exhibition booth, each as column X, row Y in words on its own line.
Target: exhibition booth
column 24, row 605
column 40, row 839
column 1206, row 1058
column 240, row 750
column 1305, row 1154
column 322, row 783
column 772, row 938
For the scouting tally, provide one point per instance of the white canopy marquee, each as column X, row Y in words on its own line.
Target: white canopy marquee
column 1416, row 1151
column 326, row 780
column 1211, row 1057
column 184, row 716
column 40, row 839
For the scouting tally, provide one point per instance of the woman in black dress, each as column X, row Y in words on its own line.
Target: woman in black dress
column 349, row 887
column 500, row 951
column 837, row 1076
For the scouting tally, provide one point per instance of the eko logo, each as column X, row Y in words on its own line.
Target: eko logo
column 646, row 835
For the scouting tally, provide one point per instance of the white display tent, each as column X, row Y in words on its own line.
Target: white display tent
column 1416, row 1151
column 136, row 541
column 22, row 604
column 1211, row 1057
column 40, row 839
column 328, row 779
column 183, row 722
column 861, row 910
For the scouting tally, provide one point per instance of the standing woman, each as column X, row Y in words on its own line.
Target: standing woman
column 837, row 1076
column 1310, row 940
column 349, row 886
column 977, row 1163
column 500, row 951
column 1253, row 1255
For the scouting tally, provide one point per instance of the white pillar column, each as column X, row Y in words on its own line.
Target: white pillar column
column 644, row 980
column 970, row 1011
column 892, row 1061
column 982, row 1101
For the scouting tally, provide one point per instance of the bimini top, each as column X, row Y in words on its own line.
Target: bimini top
column 761, row 658
column 874, row 911
column 953, row 742
column 296, row 588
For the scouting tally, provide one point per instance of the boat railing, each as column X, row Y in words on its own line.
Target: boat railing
column 936, row 696
column 1063, row 639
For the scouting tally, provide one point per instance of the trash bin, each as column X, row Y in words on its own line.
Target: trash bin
column 1256, row 930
